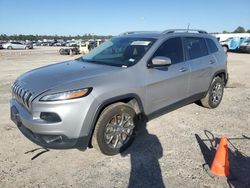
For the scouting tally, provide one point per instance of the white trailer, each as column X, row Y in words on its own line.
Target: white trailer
column 224, row 36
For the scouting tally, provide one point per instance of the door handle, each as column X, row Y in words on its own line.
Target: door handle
column 183, row 69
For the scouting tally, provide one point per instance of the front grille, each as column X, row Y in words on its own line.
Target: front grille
column 22, row 95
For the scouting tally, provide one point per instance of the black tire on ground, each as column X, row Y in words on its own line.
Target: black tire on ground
column 9, row 48
column 74, row 52
column 99, row 139
column 214, row 94
column 62, row 51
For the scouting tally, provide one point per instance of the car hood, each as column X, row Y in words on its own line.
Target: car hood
column 45, row 78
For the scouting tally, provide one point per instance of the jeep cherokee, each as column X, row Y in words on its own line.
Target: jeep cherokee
column 96, row 99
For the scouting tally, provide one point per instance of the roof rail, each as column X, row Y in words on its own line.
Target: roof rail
column 134, row 32
column 183, row 30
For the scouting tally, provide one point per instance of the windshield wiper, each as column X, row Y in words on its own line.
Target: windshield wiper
column 101, row 62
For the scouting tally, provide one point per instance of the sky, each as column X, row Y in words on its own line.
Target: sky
column 111, row 17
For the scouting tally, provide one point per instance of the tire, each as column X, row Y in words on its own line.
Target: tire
column 26, row 47
column 9, row 48
column 110, row 132
column 214, row 94
column 62, row 51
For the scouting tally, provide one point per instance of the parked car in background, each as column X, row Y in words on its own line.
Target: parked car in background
column 17, row 45
column 1, row 45
column 245, row 46
column 224, row 36
column 69, row 51
column 44, row 44
column 71, row 44
column 59, row 43
column 232, row 43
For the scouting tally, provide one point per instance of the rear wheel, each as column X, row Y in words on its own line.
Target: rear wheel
column 9, row 48
column 114, row 131
column 214, row 94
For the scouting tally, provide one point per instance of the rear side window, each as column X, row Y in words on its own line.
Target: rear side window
column 195, row 47
column 211, row 46
column 171, row 48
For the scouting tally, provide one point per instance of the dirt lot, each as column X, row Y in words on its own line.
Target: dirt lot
column 174, row 151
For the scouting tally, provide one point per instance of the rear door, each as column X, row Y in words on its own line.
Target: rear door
column 20, row 45
column 201, row 64
column 169, row 84
column 16, row 45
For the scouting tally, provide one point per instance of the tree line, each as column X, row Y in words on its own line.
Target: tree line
column 5, row 37
column 51, row 37
column 239, row 29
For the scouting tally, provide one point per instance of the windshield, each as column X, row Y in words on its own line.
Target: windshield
column 119, row 51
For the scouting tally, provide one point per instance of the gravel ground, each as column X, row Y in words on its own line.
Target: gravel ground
column 174, row 150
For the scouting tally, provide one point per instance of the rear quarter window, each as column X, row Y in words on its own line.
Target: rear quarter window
column 195, row 47
column 211, row 46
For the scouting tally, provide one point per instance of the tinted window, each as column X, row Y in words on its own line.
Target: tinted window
column 195, row 47
column 211, row 46
column 15, row 43
column 172, row 48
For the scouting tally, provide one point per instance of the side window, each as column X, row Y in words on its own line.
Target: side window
column 171, row 48
column 211, row 46
column 195, row 47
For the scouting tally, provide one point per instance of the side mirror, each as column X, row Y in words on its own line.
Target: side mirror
column 160, row 61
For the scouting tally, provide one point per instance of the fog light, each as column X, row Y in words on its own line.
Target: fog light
column 50, row 117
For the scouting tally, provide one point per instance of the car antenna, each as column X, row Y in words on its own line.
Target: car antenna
column 188, row 27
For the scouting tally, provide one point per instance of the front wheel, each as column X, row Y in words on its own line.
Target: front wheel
column 214, row 94
column 114, row 131
column 62, row 51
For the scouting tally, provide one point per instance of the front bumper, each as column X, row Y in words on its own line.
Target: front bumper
column 73, row 129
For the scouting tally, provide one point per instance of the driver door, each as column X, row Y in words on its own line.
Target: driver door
column 169, row 84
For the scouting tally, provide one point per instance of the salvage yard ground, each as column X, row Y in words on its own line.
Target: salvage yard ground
column 173, row 151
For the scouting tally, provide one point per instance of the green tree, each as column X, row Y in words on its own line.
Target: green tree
column 240, row 29
column 248, row 31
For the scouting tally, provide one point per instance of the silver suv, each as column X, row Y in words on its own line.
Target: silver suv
column 97, row 100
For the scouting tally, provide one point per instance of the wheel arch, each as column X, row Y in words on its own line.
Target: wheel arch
column 131, row 99
column 222, row 74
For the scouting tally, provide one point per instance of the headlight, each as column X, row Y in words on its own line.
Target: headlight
column 67, row 95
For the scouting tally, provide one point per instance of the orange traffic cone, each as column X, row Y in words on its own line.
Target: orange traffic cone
column 220, row 165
